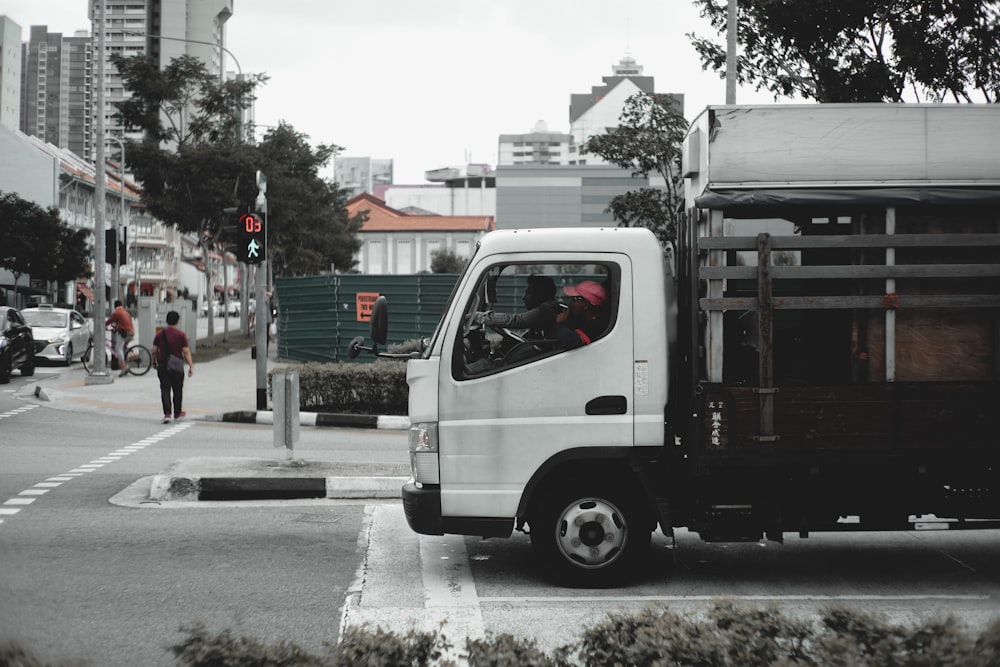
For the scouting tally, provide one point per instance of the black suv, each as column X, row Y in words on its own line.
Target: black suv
column 17, row 345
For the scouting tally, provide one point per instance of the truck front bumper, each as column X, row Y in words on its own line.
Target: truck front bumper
column 422, row 506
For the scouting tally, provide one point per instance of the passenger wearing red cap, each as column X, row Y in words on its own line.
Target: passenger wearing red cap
column 587, row 318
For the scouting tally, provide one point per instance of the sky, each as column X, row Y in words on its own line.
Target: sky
column 433, row 83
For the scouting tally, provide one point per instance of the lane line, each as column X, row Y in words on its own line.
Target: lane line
column 27, row 496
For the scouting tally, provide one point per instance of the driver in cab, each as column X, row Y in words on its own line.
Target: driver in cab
column 540, row 318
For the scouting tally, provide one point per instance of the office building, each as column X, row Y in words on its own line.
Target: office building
column 361, row 174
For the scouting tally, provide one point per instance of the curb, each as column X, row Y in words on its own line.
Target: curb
column 190, row 488
column 383, row 422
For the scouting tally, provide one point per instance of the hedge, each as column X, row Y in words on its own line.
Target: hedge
column 374, row 389
column 730, row 635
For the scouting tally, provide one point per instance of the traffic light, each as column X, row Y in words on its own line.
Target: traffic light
column 109, row 248
column 252, row 239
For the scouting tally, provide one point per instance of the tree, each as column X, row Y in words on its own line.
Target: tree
column 648, row 140
column 445, row 261
column 862, row 50
column 308, row 226
column 192, row 162
column 38, row 243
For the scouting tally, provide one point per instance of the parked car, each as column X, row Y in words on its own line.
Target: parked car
column 60, row 333
column 17, row 346
column 216, row 309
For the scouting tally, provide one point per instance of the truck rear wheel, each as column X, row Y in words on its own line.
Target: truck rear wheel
column 589, row 533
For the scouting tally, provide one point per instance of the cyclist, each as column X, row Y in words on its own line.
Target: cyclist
column 123, row 332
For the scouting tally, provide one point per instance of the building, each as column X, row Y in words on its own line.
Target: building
column 544, row 181
column 395, row 243
column 56, row 90
column 54, row 177
column 468, row 190
column 560, row 196
column 361, row 174
column 162, row 29
column 10, row 72
column 536, row 147
column 594, row 112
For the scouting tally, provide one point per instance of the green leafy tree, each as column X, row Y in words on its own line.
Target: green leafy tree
column 862, row 50
column 192, row 162
column 37, row 243
column 308, row 226
column 648, row 140
column 445, row 261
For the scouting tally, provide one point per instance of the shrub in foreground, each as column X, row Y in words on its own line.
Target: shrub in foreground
column 729, row 635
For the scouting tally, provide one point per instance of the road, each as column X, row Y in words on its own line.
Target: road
column 87, row 571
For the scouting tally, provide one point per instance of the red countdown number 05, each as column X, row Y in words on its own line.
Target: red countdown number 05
column 251, row 223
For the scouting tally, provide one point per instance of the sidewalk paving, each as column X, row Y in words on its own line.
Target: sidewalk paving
column 225, row 389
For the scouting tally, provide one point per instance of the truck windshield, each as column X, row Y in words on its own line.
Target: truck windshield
column 447, row 308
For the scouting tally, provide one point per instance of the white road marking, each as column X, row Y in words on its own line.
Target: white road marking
column 29, row 496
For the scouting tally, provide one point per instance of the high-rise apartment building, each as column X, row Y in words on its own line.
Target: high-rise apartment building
column 10, row 73
column 163, row 29
column 55, row 103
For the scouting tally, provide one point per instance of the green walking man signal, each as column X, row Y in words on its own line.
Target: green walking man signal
column 252, row 235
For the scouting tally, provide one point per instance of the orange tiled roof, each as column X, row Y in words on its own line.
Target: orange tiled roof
column 382, row 218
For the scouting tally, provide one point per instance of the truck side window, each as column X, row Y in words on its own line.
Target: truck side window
column 523, row 313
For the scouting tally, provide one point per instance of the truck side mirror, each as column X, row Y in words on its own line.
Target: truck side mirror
column 380, row 320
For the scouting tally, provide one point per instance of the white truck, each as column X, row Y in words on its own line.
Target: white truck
column 819, row 351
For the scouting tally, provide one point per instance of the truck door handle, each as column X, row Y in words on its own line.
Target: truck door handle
column 607, row 405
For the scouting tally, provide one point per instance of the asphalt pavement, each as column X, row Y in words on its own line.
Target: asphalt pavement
column 224, row 389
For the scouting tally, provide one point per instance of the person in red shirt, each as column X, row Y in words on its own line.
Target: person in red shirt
column 172, row 342
column 124, row 331
column 587, row 318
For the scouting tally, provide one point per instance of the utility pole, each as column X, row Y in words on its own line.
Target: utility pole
column 100, row 374
column 731, row 45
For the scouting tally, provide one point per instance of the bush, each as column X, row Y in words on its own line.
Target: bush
column 731, row 635
column 378, row 388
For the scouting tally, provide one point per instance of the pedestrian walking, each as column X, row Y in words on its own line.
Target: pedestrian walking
column 170, row 350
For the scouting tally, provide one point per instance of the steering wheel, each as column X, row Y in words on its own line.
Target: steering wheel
column 507, row 333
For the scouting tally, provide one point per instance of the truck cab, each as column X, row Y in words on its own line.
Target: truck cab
column 499, row 422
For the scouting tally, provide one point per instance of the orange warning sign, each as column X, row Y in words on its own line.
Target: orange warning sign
column 365, row 302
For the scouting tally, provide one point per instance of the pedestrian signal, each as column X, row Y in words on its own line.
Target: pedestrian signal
column 252, row 239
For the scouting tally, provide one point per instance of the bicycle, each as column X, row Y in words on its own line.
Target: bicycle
column 138, row 359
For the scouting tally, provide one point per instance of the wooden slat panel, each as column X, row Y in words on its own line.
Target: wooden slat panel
column 873, row 271
column 874, row 302
column 899, row 418
column 854, row 241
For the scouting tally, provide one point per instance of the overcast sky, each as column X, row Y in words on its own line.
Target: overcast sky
column 433, row 83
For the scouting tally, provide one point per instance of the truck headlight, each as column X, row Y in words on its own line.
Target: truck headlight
column 423, row 446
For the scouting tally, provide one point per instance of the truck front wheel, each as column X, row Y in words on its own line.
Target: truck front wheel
column 589, row 533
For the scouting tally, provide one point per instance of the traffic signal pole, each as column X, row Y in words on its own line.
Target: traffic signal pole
column 261, row 332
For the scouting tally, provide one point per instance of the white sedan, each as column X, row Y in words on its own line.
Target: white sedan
column 60, row 333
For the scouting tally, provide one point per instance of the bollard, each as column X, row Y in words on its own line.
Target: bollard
column 286, row 410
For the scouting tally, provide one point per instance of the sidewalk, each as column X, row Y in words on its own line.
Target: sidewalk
column 225, row 389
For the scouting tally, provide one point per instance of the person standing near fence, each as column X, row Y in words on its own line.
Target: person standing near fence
column 170, row 350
